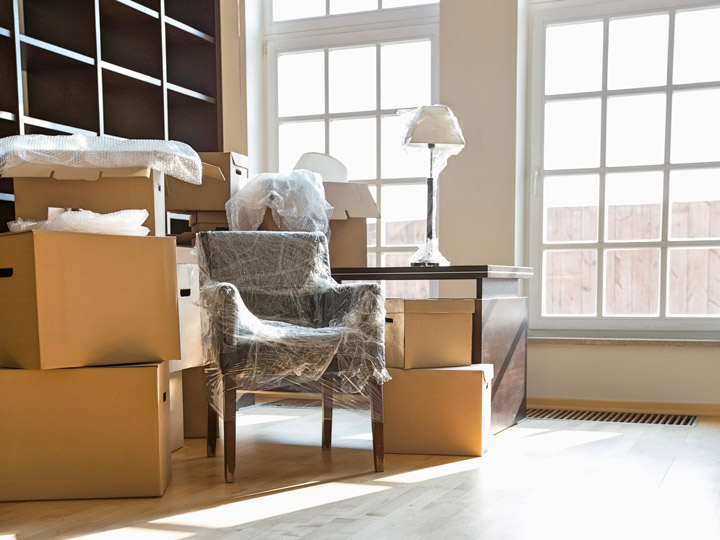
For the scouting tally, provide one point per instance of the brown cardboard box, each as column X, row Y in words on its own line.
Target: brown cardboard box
column 195, row 402
column 177, row 430
column 352, row 204
column 75, row 299
column 214, row 191
column 428, row 333
column 438, row 411
column 84, row 433
column 189, row 312
column 214, row 218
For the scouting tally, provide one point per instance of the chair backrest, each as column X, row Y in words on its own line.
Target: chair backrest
column 265, row 261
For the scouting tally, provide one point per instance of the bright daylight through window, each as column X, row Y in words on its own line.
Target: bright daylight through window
column 626, row 158
column 339, row 92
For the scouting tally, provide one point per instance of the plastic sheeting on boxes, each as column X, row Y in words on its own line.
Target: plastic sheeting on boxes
column 169, row 157
column 296, row 200
column 125, row 222
column 273, row 316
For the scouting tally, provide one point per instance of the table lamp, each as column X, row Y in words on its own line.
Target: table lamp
column 434, row 127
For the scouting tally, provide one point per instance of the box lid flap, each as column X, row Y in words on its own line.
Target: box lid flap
column 440, row 306
column 239, row 160
column 487, row 369
column 31, row 170
column 394, row 305
column 211, row 171
column 350, row 200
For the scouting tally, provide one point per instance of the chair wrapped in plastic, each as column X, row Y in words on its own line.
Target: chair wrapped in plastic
column 275, row 318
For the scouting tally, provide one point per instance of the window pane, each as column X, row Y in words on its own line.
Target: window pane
column 570, row 282
column 284, row 10
column 403, row 289
column 402, row 3
column 395, row 161
column 352, row 6
column 571, row 208
column 634, row 62
column 695, row 204
column 352, row 79
column 573, row 58
column 404, row 212
column 572, row 134
column 353, row 142
column 296, row 138
column 694, row 282
column 633, row 206
column 632, row 281
column 697, row 33
column 405, row 75
column 636, row 130
column 301, row 83
column 695, row 126
column 372, row 223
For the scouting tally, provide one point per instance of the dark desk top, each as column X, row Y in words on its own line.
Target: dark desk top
column 433, row 272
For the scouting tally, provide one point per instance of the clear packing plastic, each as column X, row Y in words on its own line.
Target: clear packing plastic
column 296, row 200
column 173, row 158
column 124, row 222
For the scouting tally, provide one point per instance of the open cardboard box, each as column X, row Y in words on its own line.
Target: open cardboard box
column 352, row 204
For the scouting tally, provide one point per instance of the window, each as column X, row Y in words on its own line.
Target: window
column 336, row 86
column 625, row 152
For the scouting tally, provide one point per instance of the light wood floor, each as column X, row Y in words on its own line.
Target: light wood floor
column 542, row 479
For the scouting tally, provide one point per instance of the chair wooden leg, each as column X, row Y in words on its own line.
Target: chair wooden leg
column 229, row 412
column 212, row 429
column 328, row 381
column 376, row 415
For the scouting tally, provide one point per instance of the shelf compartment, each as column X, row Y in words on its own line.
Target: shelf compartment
column 199, row 14
column 132, row 109
column 194, row 122
column 8, row 127
column 8, row 79
column 146, row 6
column 72, row 27
column 59, row 89
column 6, row 14
column 130, row 38
column 191, row 62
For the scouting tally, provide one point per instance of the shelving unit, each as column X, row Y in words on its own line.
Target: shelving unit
column 126, row 68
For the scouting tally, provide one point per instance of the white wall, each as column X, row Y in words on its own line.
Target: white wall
column 479, row 221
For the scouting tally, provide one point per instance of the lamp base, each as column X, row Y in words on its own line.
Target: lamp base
column 429, row 255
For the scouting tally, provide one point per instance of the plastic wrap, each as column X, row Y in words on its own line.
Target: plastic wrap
column 170, row 157
column 440, row 125
column 124, row 222
column 429, row 255
column 296, row 200
column 274, row 318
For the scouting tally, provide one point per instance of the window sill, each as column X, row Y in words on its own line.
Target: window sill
column 624, row 342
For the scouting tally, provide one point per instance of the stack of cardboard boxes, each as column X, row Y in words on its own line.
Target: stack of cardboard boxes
column 437, row 402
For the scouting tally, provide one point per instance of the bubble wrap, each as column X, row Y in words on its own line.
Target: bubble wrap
column 170, row 157
column 296, row 200
column 124, row 222
column 273, row 316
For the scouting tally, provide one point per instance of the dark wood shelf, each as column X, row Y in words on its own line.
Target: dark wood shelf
column 193, row 121
column 130, row 38
column 200, row 15
column 185, row 52
column 8, row 127
column 60, row 89
column 6, row 14
column 8, row 85
column 142, row 5
column 72, row 27
column 132, row 109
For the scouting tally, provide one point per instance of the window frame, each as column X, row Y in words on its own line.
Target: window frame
column 543, row 13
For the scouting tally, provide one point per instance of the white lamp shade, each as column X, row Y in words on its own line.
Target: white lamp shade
column 434, row 124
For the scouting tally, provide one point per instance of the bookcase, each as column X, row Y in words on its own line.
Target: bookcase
column 124, row 68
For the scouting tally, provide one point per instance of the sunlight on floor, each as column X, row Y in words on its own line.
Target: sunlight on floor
column 137, row 533
column 255, row 419
column 247, row 511
column 532, row 440
column 432, row 473
column 360, row 437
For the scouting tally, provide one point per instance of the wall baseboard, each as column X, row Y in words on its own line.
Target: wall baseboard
column 660, row 407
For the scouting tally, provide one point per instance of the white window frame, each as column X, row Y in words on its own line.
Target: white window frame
column 543, row 13
column 348, row 30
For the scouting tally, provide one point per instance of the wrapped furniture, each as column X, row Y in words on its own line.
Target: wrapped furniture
column 274, row 317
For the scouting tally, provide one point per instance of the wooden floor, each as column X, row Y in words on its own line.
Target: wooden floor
column 542, row 479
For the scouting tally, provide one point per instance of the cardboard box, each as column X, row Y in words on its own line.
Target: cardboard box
column 195, row 402
column 177, row 430
column 75, row 299
column 428, row 333
column 84, row 433
column 40, row 187
column 208, row 221
column 189, row 313
column 214, row 191
column 438, row 411
column 352, row 204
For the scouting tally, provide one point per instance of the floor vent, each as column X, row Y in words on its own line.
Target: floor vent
column 624, row 417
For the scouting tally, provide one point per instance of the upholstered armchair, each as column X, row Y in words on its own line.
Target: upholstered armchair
column 274, row 317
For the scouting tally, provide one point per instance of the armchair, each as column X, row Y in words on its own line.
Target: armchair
column 274, row 317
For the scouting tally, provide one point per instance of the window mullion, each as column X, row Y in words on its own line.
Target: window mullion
column 600, row 287
column 326, row 69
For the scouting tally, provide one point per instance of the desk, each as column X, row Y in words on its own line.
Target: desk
column 499, row 325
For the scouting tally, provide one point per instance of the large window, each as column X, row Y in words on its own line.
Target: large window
column 337, row 85
column 626, row 168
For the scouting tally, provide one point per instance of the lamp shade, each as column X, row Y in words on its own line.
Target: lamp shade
column 434, row 124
